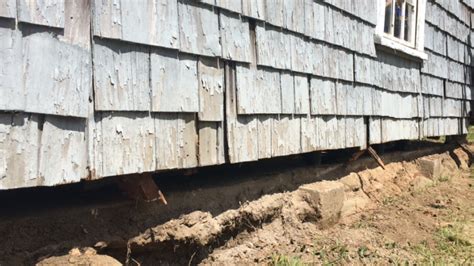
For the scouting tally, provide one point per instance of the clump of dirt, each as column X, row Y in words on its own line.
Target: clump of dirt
column 76, row 256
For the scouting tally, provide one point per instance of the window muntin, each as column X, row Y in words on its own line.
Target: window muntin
column 400, row 21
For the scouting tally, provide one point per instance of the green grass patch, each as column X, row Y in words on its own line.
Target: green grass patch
column 283, row 260
column 470, row 134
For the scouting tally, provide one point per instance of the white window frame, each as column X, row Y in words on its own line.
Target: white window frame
column 417, row 46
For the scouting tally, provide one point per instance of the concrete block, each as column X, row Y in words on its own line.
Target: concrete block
column 351, row 182
column 327, row 197
column 430, row 167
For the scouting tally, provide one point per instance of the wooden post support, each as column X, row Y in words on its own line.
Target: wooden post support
column 141, row 187
column 377, row 158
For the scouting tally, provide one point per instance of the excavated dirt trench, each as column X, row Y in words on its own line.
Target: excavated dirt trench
column 207, row 213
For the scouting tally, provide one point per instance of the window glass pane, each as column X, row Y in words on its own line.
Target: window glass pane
column 410, row 23
column 398, row 18
column 388, row 15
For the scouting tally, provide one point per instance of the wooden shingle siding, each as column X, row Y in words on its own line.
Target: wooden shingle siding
column 287, row 84
column 211, row 143
column 122, row 19
column 107, row 18
column 258, row 91
column 323, row 93
column 174, row 82
column 19, row 145
column 432, row 85
column 8, row 8
column 11, row 85
column 211, row 90
column 242, row 133
column 42, row 12
column 272, row 41
column 176, row 141
column 232, row 5
column 198, row 29
column 265, row 132
column 254, row 9
column 286, row 135
column 356, row 133
column 294, row 15
column 63, row 151
column 235, row 37
column 456, row 71
column 435, row 40
column 126, row 143
column 435, row 106
column 57, row 76
column 77, row 27
column 301, row 94
column 455, row 49
column 436, row 65
column 394, row 129
column 159, row 17
column 121, row 77
column 375, row 129
column 455, row 90
column 452, row 108
column 363, row 9
column 274, row 12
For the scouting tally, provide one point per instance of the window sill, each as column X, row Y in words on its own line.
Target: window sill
column 397, row 47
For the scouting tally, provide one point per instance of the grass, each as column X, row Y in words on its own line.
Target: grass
column 470, row 134
column 283, row 260
column 449, row 247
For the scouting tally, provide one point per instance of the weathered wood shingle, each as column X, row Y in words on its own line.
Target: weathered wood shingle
column 42, row 12
column 198, row 29
column 121, row 77
column 57, row 76
column 174, row 82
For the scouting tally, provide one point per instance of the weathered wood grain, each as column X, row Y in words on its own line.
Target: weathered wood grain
column 286, row 135
column 198, row 29
column 232, row 5
column 19, row 145
column 301, row 94
column 258, row 91
column 174, row 82
column 287, row 84
column 57, row 76
column 11, row 85
column 176, row 141
column 211, row 143
column 211, row 90
column 107, row 18
column 42, row 12
column 121, row 77
column 265, row 132
column 323, row 93
column 63, row 151
column 235, row 37
column 8, row 8
column 274, row 12
column 126, row 141
column 254, row 9
column 152, row 22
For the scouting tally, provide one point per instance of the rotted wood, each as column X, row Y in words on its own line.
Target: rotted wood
column 141, row 187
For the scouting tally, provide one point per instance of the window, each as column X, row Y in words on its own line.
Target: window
column 400, row 26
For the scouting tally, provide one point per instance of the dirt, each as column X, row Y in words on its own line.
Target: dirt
column 402, row 220
column 390, row 215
